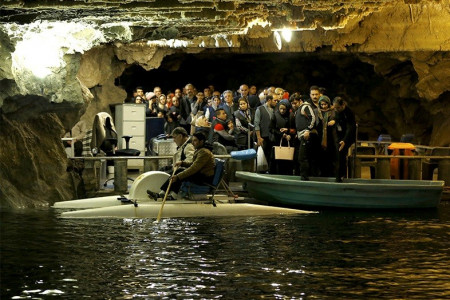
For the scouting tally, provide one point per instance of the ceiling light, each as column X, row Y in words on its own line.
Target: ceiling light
column 38, row 55
column 287, row 34
column 277, row 39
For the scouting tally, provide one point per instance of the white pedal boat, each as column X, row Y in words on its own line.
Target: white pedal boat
column 180, row 209
column 138, row 192
column 141, row 206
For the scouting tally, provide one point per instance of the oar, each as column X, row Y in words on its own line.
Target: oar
column 165, row 196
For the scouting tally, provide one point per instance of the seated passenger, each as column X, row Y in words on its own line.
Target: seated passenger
column 200, row 170
column 185, row 149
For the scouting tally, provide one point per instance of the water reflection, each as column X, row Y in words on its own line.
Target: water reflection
column 328, row 255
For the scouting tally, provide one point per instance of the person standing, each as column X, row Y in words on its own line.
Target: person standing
column 263, row 117
column 305, row 121
column 186, row 106
column 228, row 104
column 252, row 99
column 329, row 158
column 157, row 91
column 243, row 118
column 296, row 99
column 346, row 133
column 212, row 106
column 282, row 129
column 316, row 134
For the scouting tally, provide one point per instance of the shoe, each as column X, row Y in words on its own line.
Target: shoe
column 304, row 178
column 170, row 198
column 152, row 195
column 173, row 195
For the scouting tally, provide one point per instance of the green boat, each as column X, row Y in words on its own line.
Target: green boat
column 359, row 193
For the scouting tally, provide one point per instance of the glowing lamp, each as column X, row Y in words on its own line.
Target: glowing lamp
column 277, row 39
column 38, row 56
column 287, row 34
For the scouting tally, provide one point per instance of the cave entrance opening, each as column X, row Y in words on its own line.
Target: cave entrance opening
column 340, row 74
column 374, row 98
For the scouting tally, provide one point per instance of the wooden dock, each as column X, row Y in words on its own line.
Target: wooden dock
column 416, row 167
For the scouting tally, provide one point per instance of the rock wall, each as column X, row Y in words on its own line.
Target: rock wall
column 98, row 69
column 33, row 162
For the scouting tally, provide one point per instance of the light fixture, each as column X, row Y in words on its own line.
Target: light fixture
column 287, row 34
column 38, row 55
column 277, row 39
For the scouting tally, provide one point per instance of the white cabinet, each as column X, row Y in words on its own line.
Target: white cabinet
column 130, row 120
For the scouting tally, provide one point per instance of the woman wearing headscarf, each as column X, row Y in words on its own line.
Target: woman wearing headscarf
column 329, row 144
column 282, row 130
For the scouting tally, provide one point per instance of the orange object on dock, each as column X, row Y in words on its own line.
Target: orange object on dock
column 399, row 167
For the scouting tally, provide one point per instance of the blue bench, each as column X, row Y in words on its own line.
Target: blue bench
column 189, row 189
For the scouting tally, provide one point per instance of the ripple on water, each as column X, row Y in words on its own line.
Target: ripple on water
column 326, row 255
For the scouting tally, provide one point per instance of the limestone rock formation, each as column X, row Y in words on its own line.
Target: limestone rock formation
column 33, row 162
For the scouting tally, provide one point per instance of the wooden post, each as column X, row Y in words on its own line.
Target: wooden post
column 120, row 175
column 248, row 165
column 97, row 172
column 444, row 171
column 383, row 168
column 154, row 164
column 150, row 164
column 415, row 169
column 89, row 175
column 357, row 168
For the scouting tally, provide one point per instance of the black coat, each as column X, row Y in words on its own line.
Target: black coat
column 282, row 121
column 346, row 126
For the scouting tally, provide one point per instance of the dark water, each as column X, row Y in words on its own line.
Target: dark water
column 329, row 255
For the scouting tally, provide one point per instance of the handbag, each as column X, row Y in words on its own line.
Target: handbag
column 284, row 153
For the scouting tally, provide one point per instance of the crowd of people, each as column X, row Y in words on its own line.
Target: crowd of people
column 321, row 130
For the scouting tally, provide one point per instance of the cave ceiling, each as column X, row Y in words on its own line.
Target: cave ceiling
column 41, row 41
column 153, row 19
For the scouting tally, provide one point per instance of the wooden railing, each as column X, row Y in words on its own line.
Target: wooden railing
column 380, row 162
column 121, row 166
column 415, row 165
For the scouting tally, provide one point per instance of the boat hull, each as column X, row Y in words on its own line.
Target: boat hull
column 352, row 193
column 181, row 209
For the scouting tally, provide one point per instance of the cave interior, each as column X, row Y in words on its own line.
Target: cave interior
column 67, row 60
column 377, row 101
